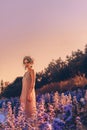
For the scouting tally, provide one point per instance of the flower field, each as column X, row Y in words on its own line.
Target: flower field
column 55, row 111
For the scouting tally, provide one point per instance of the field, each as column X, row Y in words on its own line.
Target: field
column 55, row 111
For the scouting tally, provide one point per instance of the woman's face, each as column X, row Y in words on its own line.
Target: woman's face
column 27, row 64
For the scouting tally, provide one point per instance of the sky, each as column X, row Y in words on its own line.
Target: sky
column 42, row 29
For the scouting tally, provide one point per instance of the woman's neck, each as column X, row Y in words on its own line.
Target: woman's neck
column 29, row 69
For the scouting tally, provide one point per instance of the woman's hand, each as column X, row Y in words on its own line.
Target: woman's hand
column 29, row 98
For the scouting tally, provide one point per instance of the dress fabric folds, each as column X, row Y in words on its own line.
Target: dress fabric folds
column 29, row 106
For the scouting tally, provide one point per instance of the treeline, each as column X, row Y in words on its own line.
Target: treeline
column 13, row 89
column 56, row 71
column 59, row 70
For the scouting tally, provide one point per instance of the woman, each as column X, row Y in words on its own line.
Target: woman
column 28, row 97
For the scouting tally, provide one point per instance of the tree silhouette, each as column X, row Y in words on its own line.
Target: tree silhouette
column 56, row 71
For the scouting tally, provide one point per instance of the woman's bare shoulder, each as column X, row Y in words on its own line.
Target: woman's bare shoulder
column 33, row 71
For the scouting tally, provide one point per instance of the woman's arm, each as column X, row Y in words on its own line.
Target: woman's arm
column 33, row 79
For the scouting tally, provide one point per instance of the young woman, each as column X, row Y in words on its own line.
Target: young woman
column 28, row 97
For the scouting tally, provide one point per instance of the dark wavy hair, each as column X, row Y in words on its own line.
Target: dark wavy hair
column 29, row 59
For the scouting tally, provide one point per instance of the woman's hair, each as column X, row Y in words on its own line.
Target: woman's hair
column 29, row 59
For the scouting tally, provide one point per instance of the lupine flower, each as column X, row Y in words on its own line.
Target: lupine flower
column 55, row 111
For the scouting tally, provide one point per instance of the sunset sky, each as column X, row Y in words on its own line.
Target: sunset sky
column 43, row 29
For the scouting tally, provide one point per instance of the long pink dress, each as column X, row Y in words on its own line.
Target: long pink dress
column 30, row 107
